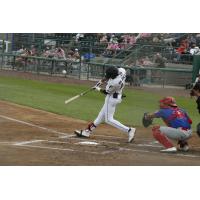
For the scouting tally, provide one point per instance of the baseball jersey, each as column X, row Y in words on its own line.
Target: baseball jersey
column 174, row 117
column 116, row 85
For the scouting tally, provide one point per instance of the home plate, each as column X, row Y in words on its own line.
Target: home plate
column 88, row 143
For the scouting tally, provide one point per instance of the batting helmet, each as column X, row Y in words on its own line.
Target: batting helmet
column 111, row 72
column 169, row 101
column 122, row 71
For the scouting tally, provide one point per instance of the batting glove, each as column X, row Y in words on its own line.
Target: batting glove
column 97, row 88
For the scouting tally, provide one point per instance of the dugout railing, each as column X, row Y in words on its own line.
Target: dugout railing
column 136, row 75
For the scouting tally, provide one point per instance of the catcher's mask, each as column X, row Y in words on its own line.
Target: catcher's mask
column 111, row 72
column 168, row 101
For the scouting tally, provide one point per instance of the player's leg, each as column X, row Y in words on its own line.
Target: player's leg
column 109, row 113
column 91, row 126
column 164, row 134
column 179, row 135
column 162, row 138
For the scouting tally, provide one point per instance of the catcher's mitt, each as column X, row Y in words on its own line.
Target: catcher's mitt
column 198, row 129
column 146, row 121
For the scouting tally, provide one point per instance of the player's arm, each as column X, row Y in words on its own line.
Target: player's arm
column 151, row 116
column 97, row 88
column 156, row 114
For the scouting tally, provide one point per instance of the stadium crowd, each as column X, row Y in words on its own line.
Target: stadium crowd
column 182, row 47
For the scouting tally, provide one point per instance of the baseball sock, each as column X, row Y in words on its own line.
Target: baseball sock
column 91, row 126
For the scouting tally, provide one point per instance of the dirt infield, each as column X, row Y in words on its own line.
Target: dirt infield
column 33, row 137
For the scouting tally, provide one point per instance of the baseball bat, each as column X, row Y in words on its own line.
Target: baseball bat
column 77, row 96
column 83, row 93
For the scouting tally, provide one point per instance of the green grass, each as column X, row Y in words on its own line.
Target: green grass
column 51, row 97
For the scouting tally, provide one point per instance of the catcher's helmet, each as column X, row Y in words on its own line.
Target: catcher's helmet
column 111, row 72
column 170, row 101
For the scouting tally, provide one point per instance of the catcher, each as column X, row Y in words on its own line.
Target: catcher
column 178, row 125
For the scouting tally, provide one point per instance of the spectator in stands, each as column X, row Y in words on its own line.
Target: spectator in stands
column 182, row 49
column 112, row 38
column 79, row 37
column 192, row 40
column 76, row 55
column 49, row 53
column 104, row 39
column 147, row 61
column 194, row 49
column 112, row 47
column 21, row 50
column 107, row 53
column 159, row 60
column 60, row 53
column 156, row 39
column 169, row 41
column 33, row 50
column 23, row 58
column 70, row 54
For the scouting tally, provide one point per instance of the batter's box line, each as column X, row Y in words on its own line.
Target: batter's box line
column 29, row 144
column 63, row 149
column 36, row 126
column 155, row 152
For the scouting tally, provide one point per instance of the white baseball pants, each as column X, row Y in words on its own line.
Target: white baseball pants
column 107, row 112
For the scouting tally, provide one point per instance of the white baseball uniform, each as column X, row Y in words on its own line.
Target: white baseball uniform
column 114, row 89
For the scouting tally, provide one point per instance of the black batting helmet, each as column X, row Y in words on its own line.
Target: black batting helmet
column 111, row 72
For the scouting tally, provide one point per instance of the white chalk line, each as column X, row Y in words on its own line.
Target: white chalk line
column 34, row 125
column 27, row 142
column 60, row 149
column 103, row 141
column 113, row 137
column 170, row 154
column 148, row 145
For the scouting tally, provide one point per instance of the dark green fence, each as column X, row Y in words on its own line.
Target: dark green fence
column 94, row 71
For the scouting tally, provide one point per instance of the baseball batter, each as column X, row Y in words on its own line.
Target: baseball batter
column 115, row 79
column 178, row 125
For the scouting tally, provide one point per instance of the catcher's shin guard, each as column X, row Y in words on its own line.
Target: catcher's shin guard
column 160, row 137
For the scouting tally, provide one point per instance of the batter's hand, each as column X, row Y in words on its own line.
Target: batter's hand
column 97, row 88
column 100, row 82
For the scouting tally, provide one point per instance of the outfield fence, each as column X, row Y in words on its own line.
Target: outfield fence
column 136, row 75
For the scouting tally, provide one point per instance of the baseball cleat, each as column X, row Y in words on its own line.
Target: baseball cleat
column 183, row 146
column 169, row 150
column 131, row 134
column 82, row 133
